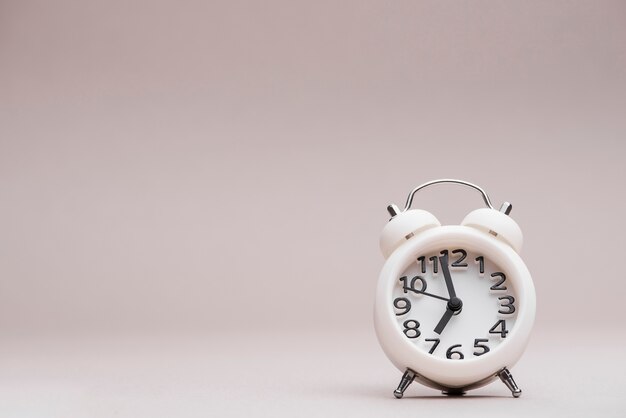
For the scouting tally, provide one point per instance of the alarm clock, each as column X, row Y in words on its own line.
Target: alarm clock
column 455, row 304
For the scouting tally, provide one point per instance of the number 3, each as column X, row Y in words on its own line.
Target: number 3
column 508, row 304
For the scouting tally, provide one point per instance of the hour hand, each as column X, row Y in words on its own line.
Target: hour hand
column 444, row 321
column 454, row 305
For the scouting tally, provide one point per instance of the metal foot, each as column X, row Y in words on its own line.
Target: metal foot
column 407, row 379
column 507, row 378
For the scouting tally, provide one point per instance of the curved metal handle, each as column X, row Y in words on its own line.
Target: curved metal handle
column 409, row 200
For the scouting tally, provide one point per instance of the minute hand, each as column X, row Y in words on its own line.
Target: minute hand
column 427, row 294
column 443, row 260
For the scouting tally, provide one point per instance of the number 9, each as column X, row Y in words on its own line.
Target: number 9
column 402, row 303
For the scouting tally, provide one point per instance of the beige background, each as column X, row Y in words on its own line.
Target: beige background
column 191, row 195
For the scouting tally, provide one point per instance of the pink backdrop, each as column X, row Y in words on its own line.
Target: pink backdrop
column 201, row 168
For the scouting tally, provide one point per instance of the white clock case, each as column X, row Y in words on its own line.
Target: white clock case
column 443, row 373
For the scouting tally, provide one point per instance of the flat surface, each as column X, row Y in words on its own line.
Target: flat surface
column 311, row 374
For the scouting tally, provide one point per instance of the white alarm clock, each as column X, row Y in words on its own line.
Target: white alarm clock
column 455, row 304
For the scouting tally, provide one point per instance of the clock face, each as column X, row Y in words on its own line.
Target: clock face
column 454, row 304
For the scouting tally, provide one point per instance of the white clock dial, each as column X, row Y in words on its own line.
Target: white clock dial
column 454, row 304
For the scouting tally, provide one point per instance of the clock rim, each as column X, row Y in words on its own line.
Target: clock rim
column 454, row 374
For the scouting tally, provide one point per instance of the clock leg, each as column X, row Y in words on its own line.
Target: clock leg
column 507, row 378
column 407, row 379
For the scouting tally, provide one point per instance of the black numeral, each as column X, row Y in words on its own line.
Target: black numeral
column 411, row 285
column 435, row 262
column 477, row 344
column 411, row 328
column 436, row 343
column 459, row 261
column 508, row 304
column 498, row 286
column 451, row 351
column 503, row 331
column 481, row 264
column 422, row 261
column 402, row 303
